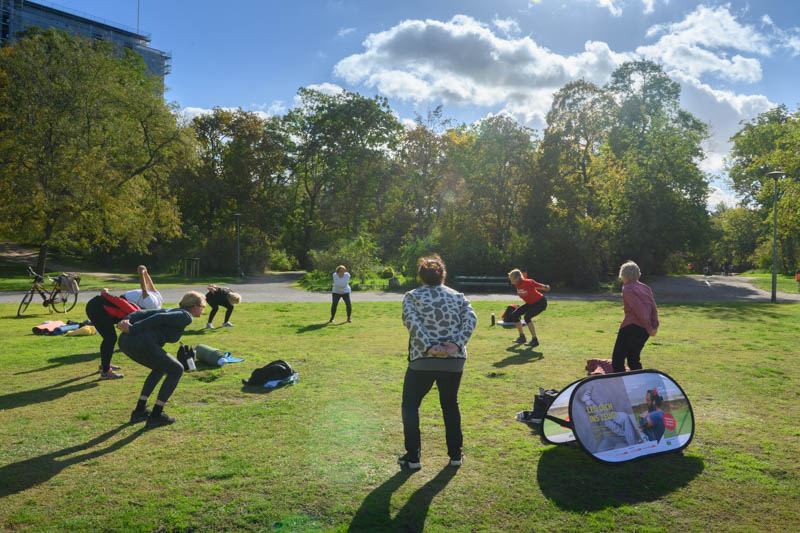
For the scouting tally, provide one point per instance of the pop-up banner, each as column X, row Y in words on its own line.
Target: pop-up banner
column 621, row 417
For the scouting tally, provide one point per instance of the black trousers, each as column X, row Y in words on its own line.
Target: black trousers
column 228, row 310
column 416, row 385
column 145, row 351
column 104, row 323
column 630, row 341
column 528, row 310
column 335, row 303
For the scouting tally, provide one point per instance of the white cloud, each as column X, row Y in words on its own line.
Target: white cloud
column 611, row 5
column 699, row 45
column 508, row 26
column 189, row 113
column 462, row 61
column 718, row 196
column 345, row 31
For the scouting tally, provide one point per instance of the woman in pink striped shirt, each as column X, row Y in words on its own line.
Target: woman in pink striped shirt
column 640, row 322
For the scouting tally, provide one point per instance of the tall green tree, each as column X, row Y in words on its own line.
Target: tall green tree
column 87, row 143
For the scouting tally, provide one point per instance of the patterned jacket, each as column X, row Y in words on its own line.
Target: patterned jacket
column 435, row 315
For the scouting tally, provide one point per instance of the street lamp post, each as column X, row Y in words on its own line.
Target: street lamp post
column 775, row 175
column 238, row 255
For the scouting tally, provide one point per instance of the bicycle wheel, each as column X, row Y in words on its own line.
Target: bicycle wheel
column 63, row 302
column 26, row 300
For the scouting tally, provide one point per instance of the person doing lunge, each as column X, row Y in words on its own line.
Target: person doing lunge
column 535, row 303
column 144, row 334
column 221, row 296
column 640, row 322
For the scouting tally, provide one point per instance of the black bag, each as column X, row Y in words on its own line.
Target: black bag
column 506, row 316
column 541, row 402
column 275, row 370
column 184, row 354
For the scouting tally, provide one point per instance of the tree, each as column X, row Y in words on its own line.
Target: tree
column 87, row 143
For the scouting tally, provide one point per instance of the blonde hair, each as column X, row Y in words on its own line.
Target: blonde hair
column 341, row 267
column 234, row 298
column 630, row 271
column 515, row 274
column 192, row 298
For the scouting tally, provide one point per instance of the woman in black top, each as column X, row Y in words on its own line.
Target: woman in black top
column 223, row 296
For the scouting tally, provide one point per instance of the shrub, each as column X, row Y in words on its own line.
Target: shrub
column 281, row 260
column 359, row 255
column 388, row 273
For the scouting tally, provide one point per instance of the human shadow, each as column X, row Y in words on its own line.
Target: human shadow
column 575, row 482
column 375, row 511
column 63, row 360
column 520, row 357
column 45, row 394
column 22, row 475
column 311, row 327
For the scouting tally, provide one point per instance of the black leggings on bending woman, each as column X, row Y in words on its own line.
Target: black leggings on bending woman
column 144, row 350
column 104, row 324
column 335, row 303
column 214, row 307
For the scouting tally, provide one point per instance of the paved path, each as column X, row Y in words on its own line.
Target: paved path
column 277, row 288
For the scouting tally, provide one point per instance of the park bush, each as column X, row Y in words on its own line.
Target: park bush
column 387, row 273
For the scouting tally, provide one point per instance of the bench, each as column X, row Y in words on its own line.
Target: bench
column 486, row 282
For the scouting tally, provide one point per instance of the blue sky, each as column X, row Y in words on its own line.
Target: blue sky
column 733, row 59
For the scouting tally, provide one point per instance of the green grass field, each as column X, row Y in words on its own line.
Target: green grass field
column 763, row 280
column 320, row 455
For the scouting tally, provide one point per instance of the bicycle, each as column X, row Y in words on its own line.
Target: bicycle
column 58, row 299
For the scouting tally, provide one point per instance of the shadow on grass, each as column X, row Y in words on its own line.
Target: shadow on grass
column 63, row 360
column 733, row 312
column 45, row 394
column 375, row 511
column 521, row 356
column 311, row 327
column 575, row 482
column 23, row 475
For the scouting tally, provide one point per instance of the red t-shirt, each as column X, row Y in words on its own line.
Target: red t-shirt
column 527, row 290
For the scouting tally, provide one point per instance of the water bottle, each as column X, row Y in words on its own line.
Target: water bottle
column 493, row 319
column 191, row 365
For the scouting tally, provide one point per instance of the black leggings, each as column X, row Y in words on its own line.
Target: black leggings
column 104, row 323
column 629, row 344
column 528, row 310
column 335, row 303
column 214, row 307
column 144, row 350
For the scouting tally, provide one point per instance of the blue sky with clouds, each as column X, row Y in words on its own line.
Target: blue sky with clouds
column 733, row 59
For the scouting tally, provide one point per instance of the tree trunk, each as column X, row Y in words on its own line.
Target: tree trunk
column 41, row 261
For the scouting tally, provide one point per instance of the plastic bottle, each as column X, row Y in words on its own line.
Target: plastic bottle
column 493, row 319
column 190, row 364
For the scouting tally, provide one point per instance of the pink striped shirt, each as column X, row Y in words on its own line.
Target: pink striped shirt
column 640, row 307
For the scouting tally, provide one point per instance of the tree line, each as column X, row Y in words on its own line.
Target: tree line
column 95, row 161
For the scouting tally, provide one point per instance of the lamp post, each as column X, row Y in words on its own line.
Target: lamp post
column 775, row 174
column 238, row 256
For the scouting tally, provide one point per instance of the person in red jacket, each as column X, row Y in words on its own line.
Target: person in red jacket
column 535, row 303
column 640, row 322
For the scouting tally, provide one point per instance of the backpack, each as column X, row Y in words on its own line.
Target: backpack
column 507, row 313
column 541, row 402
column 118, row 307
column 275, row 370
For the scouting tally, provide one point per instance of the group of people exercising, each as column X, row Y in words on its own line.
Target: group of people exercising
column 145, row 327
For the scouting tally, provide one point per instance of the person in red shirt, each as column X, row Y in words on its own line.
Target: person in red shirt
column 535, row 303
column 640, row 322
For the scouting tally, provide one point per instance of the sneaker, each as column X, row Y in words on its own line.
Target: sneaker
column 139, row 416
column 406, row 461
column 111, row 375
column 330, row 321
column 534, row 343
column 457, row 461
column 100, row 368
column 161, row 420
column 521, row 339
column 348, row 320
column 209, row 326
column 227, row 325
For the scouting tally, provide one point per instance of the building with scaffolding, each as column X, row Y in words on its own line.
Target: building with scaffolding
column 16, row 15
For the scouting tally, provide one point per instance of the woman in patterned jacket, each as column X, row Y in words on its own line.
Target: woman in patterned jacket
column 440, row 321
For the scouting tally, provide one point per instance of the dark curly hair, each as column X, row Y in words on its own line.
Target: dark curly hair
column 431, row 270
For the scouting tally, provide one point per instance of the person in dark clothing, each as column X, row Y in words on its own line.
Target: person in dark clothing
column 221, row 296
column 105, row 311
column 144, row 334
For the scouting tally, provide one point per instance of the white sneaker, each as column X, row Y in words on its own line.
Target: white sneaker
column 209, row 326
column 227, row 325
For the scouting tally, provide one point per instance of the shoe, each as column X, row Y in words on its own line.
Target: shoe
column 457, row 461
column 111, row 375
column 521, row 339
column 348, row 320
column 227, row 325
column 330, row 321
column 100, row 367
column 534, row 343
column 406, row 461
column 161, row 420
column 209, row 326
column 139, row 416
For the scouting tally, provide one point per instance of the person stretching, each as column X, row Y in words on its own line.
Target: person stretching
column 223, row 296
column 147, row 297
column 535, row 303
column 341, row 289
column 144, row 334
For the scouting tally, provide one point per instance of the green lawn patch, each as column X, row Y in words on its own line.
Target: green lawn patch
column 320, row 455
column 763, row 280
